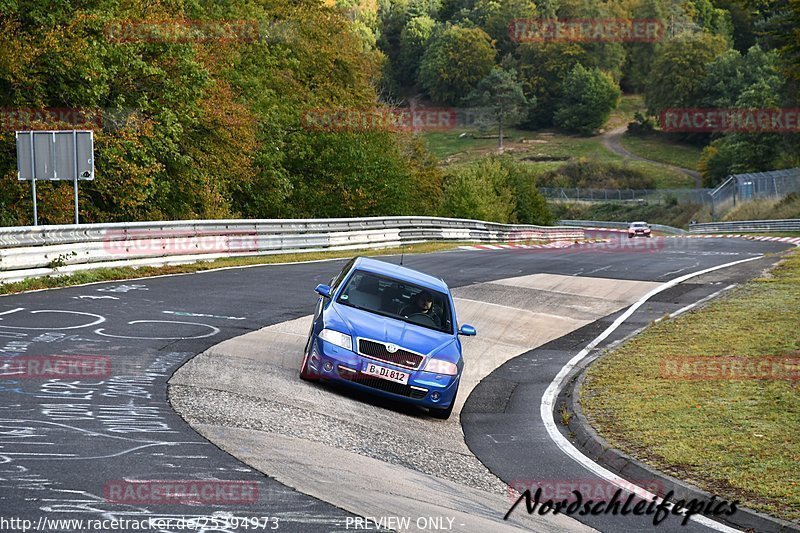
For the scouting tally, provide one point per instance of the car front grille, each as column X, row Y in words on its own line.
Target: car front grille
column 378, row 350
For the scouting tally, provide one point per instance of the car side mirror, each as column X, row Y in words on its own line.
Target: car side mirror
column 467, row 330
column 323, row 290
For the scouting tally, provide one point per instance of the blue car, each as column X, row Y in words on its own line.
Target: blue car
column 390, row 331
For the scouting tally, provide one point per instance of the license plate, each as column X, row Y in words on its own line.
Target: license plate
column 386, row 373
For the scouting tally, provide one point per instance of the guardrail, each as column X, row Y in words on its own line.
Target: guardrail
column 46, row 250
column 618, row 225
column 748, row 226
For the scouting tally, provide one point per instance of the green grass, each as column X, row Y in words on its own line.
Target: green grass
column 659, row 148
column 665, row 178
column 677, row 216
column 447, row 144
column 777, row 234
column 113, row 274
column 788, row 207
column 544, row 151
column 623, row 114
column 734, row 438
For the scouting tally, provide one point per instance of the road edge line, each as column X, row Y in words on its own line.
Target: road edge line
column 547, row 405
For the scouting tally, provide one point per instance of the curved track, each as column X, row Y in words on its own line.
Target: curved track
column 63, row 442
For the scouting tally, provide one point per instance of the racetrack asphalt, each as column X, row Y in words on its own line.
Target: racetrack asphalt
column 64, row 442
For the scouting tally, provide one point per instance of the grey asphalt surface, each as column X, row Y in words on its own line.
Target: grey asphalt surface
column 502, row 426
column 63, row 441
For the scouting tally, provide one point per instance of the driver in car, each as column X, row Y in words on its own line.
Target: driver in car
column 423, row 305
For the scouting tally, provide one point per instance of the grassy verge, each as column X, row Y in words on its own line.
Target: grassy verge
column 734, row 438
column 543, row 151
column 778, row 234
column 659, row 148
column 788, row 207
column 678, row 216
column 112, row 274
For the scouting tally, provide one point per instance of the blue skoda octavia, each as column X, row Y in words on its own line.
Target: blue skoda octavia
column 388, row 330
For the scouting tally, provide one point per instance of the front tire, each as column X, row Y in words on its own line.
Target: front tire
column 305, row 372
column 443, row 414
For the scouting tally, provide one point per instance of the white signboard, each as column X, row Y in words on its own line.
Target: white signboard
column 55, row 155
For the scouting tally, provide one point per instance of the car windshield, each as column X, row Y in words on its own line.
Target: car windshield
column 398, row 299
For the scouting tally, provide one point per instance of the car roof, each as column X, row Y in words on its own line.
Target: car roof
column 400, row 272
column 638, row 223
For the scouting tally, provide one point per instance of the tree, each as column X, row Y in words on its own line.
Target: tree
column 210, row 127
column 736, row 153
column 587, row 101
column 780, row 23
column 480, row 191
column 640, row 55
column 456, row 60
column 530, row 205
column 494, row 17
column 542, row 68
column 413, row 41
column 346, row 174
column 710, row 18
column 501, row 92
column 731, row 74
column 679, row 70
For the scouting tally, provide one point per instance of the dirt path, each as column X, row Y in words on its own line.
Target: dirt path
column 612, row 140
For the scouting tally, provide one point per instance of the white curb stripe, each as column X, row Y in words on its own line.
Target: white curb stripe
column 549, row 399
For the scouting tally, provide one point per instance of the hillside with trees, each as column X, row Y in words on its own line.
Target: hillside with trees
column 197, row 126
column 198, row 107
column 710, row 54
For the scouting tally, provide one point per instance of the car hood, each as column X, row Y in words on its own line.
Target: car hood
column 368, row 325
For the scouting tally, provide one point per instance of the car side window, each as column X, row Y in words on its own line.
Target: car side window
column 335, row 282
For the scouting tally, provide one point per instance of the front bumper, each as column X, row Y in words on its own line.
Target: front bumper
column 426, row 389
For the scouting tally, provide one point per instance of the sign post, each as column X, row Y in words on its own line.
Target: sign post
column 55, row 155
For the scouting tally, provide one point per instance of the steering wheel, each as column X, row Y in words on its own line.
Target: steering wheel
column 433, row 322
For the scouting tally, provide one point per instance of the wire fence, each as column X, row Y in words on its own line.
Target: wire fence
column 679, row 196
column 737, row 189
column 741, row 188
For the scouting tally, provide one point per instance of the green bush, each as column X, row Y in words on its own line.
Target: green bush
column 589, row 96
column 498, row 190
column 480, row 191
column 596, row 175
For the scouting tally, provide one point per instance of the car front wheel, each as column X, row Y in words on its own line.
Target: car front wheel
column 443, row 414
column 305, row 370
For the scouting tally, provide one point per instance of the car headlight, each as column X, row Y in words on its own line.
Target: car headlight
column 337, row 338
column 437, row 366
